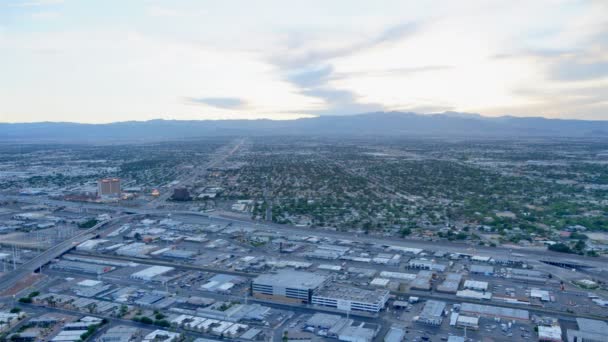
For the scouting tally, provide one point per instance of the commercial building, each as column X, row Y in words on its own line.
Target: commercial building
column 494, row 312
column 357, row 333
column 161, row 335
column 432, row 312
column 589, row 330
column 549, row 333
column 422, row 281
column 287, row 286
column 468, row 322
column 482, row 269
column 451, row 283
column 423, row 264
column 108, row 187
column 181, row 194
column 394, row 335
column 151, row 272
column 476, row 285
column 351, row 298
column 81, row 267
column 474, row 294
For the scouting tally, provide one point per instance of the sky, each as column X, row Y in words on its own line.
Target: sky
column 114, row 60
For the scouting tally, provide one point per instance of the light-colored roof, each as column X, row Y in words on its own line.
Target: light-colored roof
column 291, row 279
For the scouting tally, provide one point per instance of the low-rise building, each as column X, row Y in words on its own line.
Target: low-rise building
column 432, row 312
column 549, row 333
column 287, row 286
column 351, row 298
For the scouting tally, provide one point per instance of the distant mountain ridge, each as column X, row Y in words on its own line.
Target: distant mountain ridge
column 449, row 124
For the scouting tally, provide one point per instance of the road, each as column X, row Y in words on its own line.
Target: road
column 218, row 157
column 529, row 255
column 425, row 295
column 8, row 280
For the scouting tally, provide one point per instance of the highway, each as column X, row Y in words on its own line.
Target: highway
column 218, row 157
column 9, row 279
column 528, row 255
column 531, row 256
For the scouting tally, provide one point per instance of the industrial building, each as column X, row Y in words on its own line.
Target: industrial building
column 81, row 267
column 119, row 333
column 451, row 283
column 351, row 298
column 422, row 281
column 181, row 194
column 108, row 187
column 549, row 333
column 482, row 270
column 394, row 335
column 589, row 330
column 423, row 264
column 476, row 285
column 468, row 322
column 432, row 312
column 151, row 272
column 287, row 286
column 494, row 312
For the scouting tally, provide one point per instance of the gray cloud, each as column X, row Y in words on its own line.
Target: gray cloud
column 310, row 70
column 311, row 78
column 575, row 70
column 306, row 58
column 341, row 102
column 389, row 72
column 219, row 102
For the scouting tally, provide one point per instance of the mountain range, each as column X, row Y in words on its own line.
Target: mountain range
column 448, row 124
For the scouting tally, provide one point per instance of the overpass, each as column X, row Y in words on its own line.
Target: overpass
column 9, row 279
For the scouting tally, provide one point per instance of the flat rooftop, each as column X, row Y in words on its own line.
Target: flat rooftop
column 291, row 279
column 432, row 309
column 352, row 294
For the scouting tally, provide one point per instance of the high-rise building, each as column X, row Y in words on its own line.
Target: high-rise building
column 108, row 187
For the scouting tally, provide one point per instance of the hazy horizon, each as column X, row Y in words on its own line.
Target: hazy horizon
column 457, row 114
column 99, row 62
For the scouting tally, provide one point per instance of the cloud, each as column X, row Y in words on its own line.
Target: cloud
column 220, row 102
column 341, row 102
column 309, row 67
column 576, row 70
column 36, row 3
column 189, row 60
column 312, row 77
column 45, row 15
column 170, row 12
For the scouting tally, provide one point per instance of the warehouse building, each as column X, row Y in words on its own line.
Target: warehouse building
column 494, row 312
column 287, row 286
column 423, row 264
column 351, row 298
column 589, row 330
column 432, row 312
column 148, row 274
column 451, row 283
column 482, row 270
column 81, row 267
column 549, row 333
column 422, row 281
column 476, row 285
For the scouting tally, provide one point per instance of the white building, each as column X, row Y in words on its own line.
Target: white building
column 149, row 273
column 351, row 298
column 287, row 286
